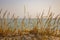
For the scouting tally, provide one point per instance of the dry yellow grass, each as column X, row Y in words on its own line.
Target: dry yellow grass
column 44, row 30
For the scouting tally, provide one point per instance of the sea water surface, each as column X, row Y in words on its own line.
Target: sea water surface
column 29, row 24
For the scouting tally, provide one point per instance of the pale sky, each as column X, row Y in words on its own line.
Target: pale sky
column 32, row 6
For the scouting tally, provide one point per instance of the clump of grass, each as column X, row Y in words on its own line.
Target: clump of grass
column 46, row 29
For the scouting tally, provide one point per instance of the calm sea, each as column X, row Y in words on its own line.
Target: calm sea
column 29, row 24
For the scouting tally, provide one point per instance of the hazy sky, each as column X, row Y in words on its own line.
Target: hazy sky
column 32, row 6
